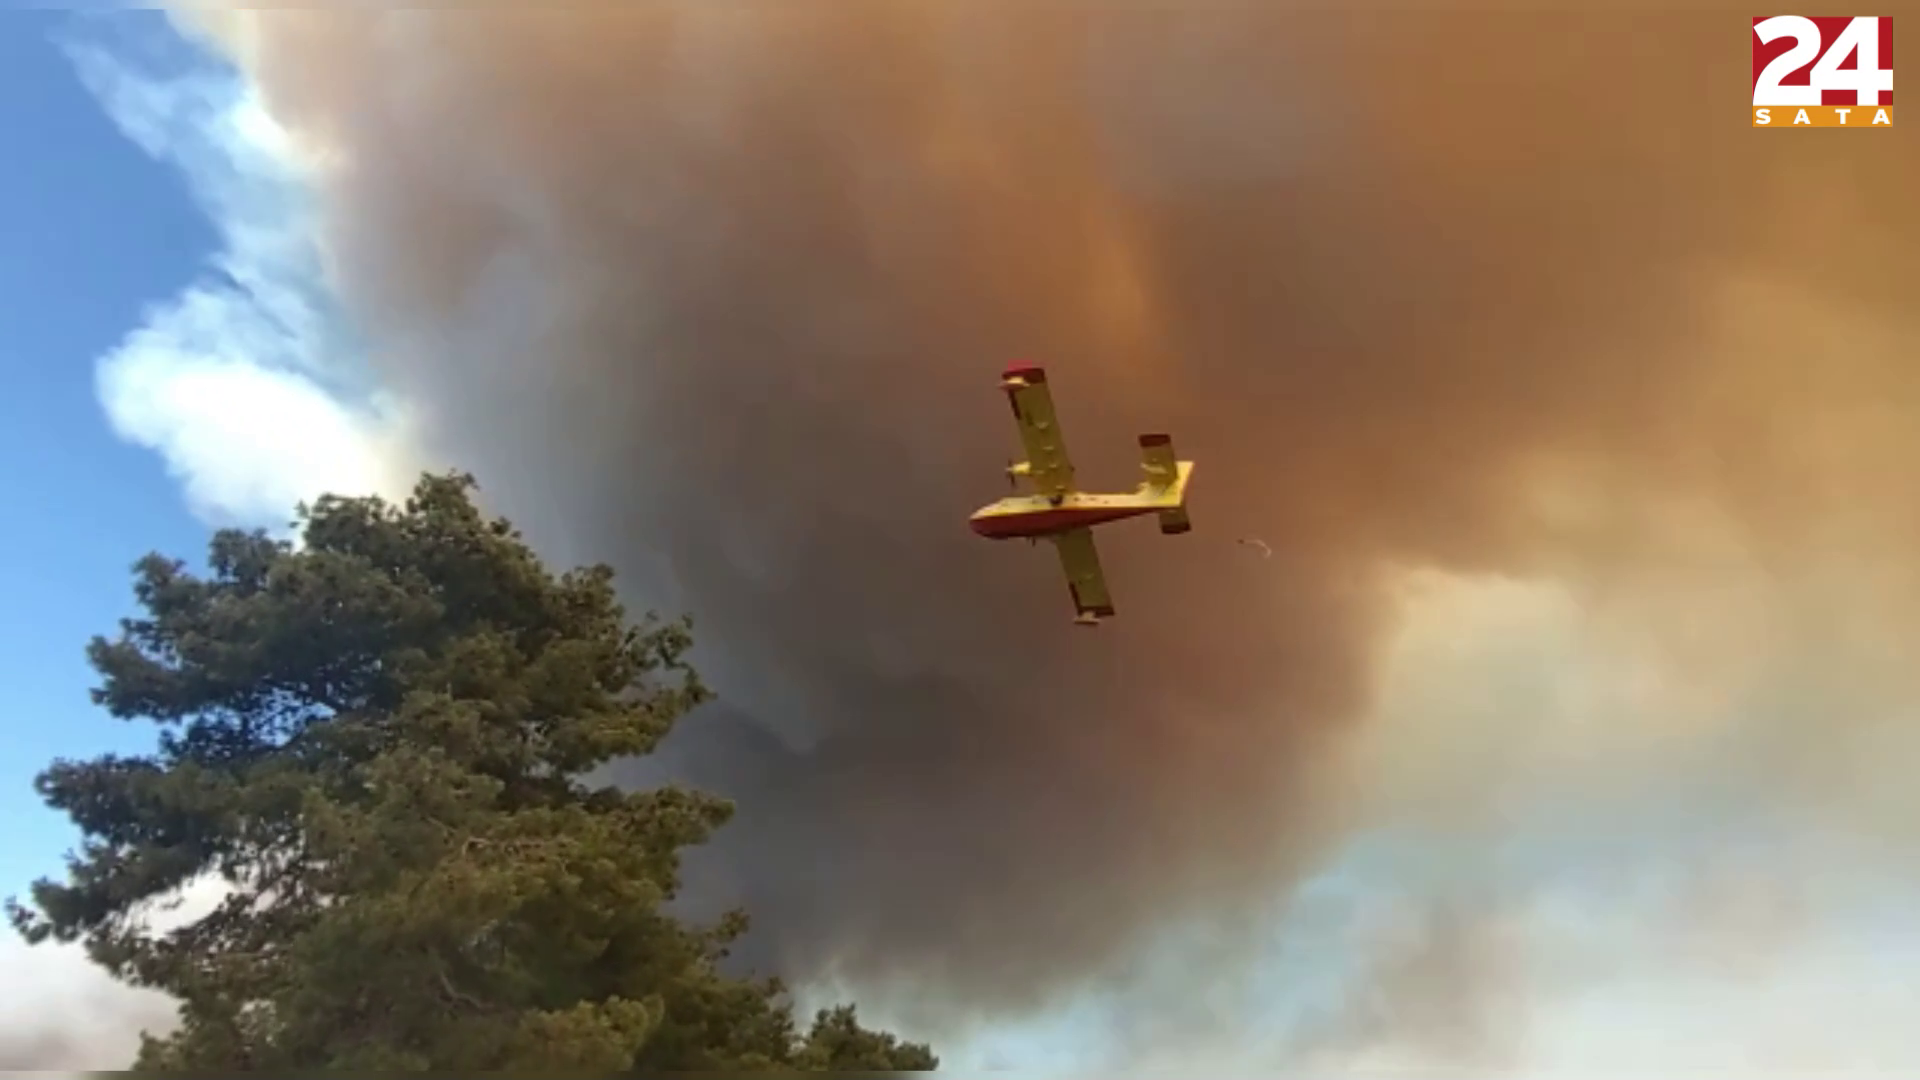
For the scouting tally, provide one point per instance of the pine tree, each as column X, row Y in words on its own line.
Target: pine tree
column 375, row 740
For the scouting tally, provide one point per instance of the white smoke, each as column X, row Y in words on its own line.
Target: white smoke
column 245, row 383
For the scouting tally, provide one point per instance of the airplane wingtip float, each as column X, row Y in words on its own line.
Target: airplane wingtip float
column 1053, row 509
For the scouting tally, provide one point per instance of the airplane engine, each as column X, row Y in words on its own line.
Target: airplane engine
column 1175, row 521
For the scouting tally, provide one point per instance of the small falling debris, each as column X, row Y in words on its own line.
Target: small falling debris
column 1266, row 552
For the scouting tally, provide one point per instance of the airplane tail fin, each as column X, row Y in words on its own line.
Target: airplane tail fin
column 1166, row 478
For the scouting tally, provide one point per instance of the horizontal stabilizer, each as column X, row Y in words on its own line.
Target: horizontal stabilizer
column 1166, row 481
column 1157, row 461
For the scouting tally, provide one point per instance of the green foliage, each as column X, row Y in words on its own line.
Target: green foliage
column 376, row 739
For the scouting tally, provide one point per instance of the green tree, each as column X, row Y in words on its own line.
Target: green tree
column 376, row 740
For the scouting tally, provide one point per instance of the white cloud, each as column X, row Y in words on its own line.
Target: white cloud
column 246, row 440
column 64, row 1013
column 59, row 1012
column 245, row 383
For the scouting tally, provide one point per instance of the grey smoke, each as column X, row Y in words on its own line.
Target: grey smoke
column 717, row 293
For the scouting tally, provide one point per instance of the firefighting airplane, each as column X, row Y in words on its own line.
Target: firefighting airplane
column 1057, row 512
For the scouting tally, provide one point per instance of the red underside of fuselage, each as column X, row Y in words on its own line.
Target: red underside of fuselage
column 1055, row 520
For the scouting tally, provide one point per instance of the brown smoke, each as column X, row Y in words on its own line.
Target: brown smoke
column 719, row 292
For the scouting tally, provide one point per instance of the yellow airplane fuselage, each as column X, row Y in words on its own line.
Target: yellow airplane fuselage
column 1043, row 515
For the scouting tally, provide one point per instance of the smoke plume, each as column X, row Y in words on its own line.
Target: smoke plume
column 719, row 293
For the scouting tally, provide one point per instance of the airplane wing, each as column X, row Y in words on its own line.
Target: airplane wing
column 1081, row 560
column 1047, row 464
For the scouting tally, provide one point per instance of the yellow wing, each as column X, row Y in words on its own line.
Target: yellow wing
column 1081, row 561
column 1047, row 465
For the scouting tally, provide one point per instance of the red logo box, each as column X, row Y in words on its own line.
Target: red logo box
column 1822, row 71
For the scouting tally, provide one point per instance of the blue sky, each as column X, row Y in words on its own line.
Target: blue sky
column 174, row 364
column 92, row 232
column 176, row 361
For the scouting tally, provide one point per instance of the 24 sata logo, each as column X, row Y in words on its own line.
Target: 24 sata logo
column 1822, row 72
